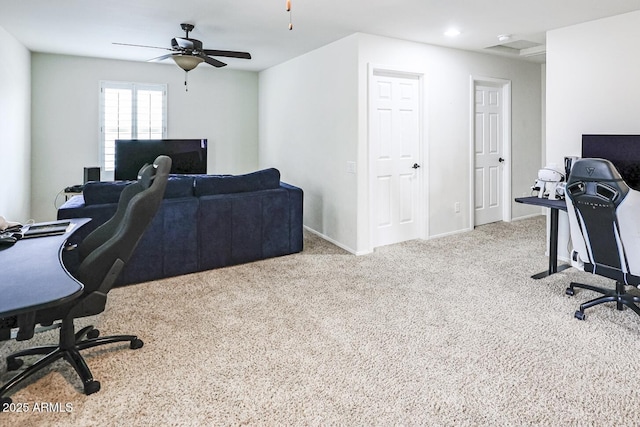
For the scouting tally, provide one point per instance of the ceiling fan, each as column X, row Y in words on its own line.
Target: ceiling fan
column 188, row 53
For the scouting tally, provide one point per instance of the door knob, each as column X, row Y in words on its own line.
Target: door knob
column 501, row 160
column 415, row 166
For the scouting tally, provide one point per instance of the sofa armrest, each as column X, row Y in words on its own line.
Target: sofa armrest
column 76, row 201
column 296, row 203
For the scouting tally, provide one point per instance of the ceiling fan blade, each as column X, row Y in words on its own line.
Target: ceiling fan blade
column 227, row 53
column 212, row 61
column 141, row 45
column 160, row 58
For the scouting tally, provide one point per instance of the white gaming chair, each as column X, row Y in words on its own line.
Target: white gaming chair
column 604, row 221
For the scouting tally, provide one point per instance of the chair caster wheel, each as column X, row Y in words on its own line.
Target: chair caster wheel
column 4, row 403
column 580, row 315
column 14, row 364
column 93, row 333
column 135, row 344
column 91, row 387
column 570, row 292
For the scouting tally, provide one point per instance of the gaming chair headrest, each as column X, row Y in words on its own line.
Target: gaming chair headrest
column 591, row 170
column 162, row 165
column 598, row 177
column 146, row 175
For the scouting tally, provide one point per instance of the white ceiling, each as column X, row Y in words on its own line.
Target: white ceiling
column 89, row 27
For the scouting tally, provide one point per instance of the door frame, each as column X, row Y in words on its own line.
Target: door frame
column 505, row 85
column 423, row 199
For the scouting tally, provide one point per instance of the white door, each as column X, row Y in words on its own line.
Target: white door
column 488, row 154
column 394, row 149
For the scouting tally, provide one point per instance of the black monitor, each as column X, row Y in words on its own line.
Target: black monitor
column 188, row 156
column 621, row 150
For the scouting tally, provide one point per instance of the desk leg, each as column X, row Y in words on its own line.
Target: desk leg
column 553, row 249
column 553, row 242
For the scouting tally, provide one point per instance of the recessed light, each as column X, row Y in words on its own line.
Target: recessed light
column 452, row 32
column 504, row 37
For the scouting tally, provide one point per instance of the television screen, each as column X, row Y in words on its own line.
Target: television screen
column 621, row 150
column 188, row 156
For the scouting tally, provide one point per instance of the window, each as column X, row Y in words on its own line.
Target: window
column 130, row 111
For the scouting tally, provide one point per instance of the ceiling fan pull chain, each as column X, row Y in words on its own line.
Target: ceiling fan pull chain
column 289, row 10
column 186, row 87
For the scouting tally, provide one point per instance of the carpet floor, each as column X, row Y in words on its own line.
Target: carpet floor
column 447, row 332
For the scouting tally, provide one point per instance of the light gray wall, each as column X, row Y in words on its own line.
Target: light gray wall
column 308, row 130
column 593, row 83
column 15, row 125
column 313, row 119
column 221, row 105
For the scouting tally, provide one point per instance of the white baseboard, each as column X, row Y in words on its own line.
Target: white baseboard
column 520, row 218
column 450, row 233
column 464, row 230
column 330, row 240
column 437, row 236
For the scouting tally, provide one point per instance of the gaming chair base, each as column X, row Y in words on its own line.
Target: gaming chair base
column 619, row 296
column 69, row 349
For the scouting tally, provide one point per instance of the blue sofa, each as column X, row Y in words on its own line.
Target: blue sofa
column 204, row 222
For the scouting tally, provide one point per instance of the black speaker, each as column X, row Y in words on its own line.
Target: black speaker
column 91, row 174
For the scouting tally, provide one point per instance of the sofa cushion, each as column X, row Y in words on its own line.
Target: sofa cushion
column 209, row 185
column 179, row 186
column 97, row 193
column 243, row 227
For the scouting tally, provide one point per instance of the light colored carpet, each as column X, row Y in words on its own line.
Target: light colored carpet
column 451, row 331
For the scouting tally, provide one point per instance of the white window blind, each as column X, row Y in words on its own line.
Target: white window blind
column 130, row 111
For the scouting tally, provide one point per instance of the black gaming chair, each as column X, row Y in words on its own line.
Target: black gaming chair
column 103, row 254
column 605, row 231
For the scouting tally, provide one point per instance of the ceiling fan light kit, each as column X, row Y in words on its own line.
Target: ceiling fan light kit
column 188, row 53
column 187, row 62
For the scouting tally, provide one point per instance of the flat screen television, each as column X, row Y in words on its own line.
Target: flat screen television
column 621, row 150
column 188, row 156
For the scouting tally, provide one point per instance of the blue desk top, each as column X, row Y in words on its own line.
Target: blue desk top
column 544, row 202
column 33, row 276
